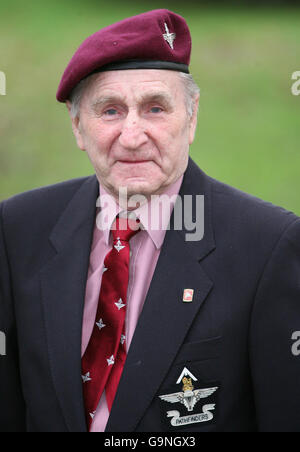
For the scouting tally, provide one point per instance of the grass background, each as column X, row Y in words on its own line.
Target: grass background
column 243, row 59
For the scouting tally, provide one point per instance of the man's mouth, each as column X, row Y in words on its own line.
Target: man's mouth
column 133, row 162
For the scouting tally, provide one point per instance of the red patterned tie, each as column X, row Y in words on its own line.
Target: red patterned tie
column 104, row 358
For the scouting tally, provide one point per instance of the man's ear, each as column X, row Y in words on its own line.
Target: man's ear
column 193, row 121
column 76, row 127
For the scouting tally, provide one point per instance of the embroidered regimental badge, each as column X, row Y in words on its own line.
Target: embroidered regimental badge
column 189, row 397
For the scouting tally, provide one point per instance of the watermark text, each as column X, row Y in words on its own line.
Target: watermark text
column 2, row 344
column 296, row 85
column 296, row 344
column 2, row 84
column 155, row 212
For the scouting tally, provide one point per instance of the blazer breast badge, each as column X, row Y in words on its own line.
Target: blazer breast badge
column 189, row 398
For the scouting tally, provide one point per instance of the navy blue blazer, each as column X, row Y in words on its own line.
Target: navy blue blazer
column 232, row 342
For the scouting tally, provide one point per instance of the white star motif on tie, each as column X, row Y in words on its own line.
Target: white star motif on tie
column 100, row 324
column 93, row 414
column 86, row 378
column 104, row 269
column 119, row 245
column 111, row 360
column 120, row 304
column 123, row 338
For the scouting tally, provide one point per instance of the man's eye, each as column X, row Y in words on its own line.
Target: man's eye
column 110, row 112
column 156, row 110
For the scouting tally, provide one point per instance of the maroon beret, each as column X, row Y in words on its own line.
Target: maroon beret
column 158, row 39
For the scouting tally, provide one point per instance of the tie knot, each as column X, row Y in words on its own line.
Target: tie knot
column 124, row 228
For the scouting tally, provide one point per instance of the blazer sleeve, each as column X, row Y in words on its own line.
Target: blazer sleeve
column 274, row 325
column 12, row 406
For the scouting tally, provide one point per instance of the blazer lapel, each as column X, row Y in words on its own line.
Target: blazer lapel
column 63, row 282
column 165, row 319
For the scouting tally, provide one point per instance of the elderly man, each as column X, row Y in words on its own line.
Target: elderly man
column 114, row 324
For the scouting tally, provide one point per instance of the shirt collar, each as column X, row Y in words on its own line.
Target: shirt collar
column 153, row 215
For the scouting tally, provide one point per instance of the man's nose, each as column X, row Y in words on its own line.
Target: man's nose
column 133, row 135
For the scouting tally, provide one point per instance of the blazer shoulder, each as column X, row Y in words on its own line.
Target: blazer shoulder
column 248, row 209
column 39, row 209
column 48, row 197
column 229, row 202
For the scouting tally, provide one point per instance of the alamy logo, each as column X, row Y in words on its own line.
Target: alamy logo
column 296, row 343
column 188, row 212
column 2, row 84
column 296, row 86
column 2, row 344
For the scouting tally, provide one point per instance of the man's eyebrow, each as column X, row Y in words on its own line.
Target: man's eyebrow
column 104, row 100
column 156, row 96
column 159, row 97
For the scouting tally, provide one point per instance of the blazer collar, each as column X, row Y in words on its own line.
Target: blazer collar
column 196, row 197
column 79, row 215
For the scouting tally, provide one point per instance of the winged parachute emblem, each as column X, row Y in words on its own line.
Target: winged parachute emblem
column 188, row 396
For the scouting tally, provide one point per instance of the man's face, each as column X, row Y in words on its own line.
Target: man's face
column 134, row 126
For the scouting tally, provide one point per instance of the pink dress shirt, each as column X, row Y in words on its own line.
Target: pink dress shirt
column 145, row 249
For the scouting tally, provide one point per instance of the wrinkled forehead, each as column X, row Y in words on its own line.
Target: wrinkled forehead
column 135, row 84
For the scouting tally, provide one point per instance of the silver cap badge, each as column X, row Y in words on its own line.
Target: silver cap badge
column 169, row 37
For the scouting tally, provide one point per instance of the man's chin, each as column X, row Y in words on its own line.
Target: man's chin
column 140, row 187
column 135, row 187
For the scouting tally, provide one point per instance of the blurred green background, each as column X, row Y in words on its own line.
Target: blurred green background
column 243, row 60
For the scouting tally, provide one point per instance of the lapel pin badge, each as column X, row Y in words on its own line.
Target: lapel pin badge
column 188, row 295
